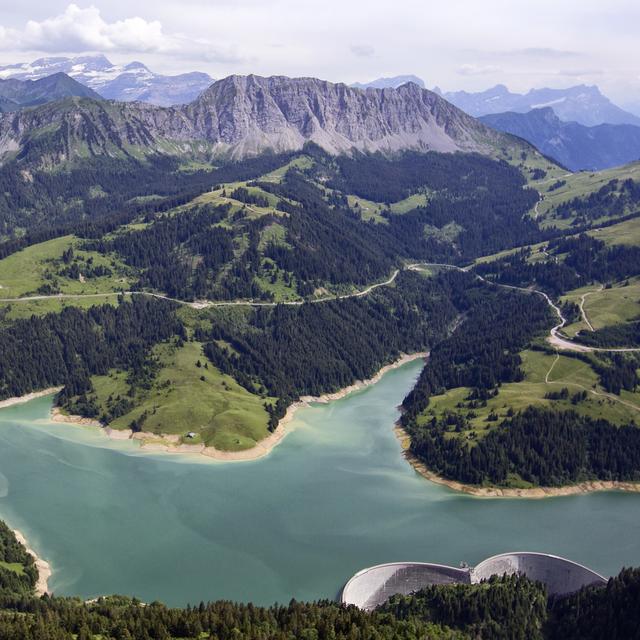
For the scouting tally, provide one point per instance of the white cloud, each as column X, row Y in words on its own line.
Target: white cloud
column 580, row 73
column 478, row 69
column 79, row 30
column 362, row 50
column 520, row 44
column 540, row 52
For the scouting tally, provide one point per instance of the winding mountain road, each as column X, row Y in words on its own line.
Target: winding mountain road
column 204, row 304
column 555, row 338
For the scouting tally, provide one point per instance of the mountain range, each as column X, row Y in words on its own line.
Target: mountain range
column 129, row 82
column 134, row 81
column 389, row 83
column 16, row 94
column 242, row 116
column 583, row 104
column 575, row 146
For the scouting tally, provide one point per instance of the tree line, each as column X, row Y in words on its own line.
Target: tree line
column 611, row 200
column 318, row 348
column 574, row 262
column 67, row 348
column 483, row 351
column 542, row 446
column 101, row 193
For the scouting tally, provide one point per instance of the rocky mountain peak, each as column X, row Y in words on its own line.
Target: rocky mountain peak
column 283, row 113
column 242, row 116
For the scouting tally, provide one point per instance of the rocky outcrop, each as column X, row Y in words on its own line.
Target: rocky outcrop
column 249, row 114
column 242, row 116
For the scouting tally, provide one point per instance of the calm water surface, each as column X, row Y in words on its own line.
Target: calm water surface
column 334, row 497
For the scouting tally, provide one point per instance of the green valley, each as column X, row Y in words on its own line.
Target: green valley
column 269, row 264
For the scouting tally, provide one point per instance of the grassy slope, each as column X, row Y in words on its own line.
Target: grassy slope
column 216, row 197
column 567, row 372
column 603, row 308
column 606, row 307
column 17, row 310
column 624, row 233
column 25, row 271
column 609, row 306
column 218, row 409
column 578, row 185
column 16, row 567
column 301, row 163
column 370, row 210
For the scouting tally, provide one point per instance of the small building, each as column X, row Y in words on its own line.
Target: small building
column 191, row 434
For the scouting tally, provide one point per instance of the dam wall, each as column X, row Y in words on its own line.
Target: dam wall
column 559, row 575
column 371, row 587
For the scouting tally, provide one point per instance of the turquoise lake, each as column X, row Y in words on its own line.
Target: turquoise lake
column 334, row 497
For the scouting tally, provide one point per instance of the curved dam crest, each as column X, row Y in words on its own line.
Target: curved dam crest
column 373, row 586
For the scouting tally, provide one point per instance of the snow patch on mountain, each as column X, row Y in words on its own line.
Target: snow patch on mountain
column 127, row 82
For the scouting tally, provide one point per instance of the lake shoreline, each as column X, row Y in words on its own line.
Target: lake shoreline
column 44, row 568
column 170, row 443
column 10, row 402
column 534, row 493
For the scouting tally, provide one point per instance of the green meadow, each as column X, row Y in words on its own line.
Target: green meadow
column 185, row 397
column 544, row 373
column 24, row 272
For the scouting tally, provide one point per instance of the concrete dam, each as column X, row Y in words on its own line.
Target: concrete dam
column 371, row 587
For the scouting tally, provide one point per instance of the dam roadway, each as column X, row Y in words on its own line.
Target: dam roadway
column 372, row 587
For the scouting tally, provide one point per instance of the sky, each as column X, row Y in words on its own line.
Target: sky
column 454, row 44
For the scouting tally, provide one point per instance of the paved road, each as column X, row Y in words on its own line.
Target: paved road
column 555, row 338
column 204, row 304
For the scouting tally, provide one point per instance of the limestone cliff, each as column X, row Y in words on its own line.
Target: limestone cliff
column 241, row 116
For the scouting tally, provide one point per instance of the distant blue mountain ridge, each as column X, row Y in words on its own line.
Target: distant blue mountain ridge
column 574, row 145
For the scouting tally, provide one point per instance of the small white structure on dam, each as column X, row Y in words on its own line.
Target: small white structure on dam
column 371, row 587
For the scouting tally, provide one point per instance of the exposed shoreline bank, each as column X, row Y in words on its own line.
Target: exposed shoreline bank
column 166, row 443
column 44, row 568
column 504, row 492
column 10, row 402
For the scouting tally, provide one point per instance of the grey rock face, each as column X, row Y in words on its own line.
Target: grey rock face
column 242, row 116
column 250, row 113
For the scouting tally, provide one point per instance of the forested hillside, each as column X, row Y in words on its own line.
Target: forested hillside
column 18, row 572
column 487, row 408
column 300, row 234
column 46, row 204
column 286, row 352
column 291, row 275
column 69, row 347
